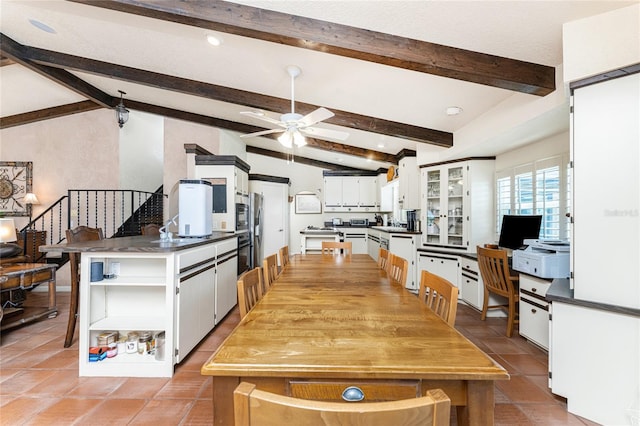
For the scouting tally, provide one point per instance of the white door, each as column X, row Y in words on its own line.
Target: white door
column 275, row 230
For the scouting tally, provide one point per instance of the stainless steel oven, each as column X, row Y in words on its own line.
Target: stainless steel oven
column 242, row 217
column 244, row 252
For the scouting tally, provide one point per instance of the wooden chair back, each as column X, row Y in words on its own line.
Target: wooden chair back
column 256, row 407
column 439, row 295
column 249, row 290
column 497, row 279
column 337, row 248
column 270, row 271
column 397, row 269
column 383, row 258
column 284, row 256
column 151, row 229
column 76, row 235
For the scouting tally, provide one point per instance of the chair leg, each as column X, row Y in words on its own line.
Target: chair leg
column 512, row 317
column 73, row 314
column 485, row 305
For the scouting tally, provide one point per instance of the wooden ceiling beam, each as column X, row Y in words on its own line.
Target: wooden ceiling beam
column 16, row 52
column 298, row 159
column 47, row 114
column 234, row 96
column 343, row 40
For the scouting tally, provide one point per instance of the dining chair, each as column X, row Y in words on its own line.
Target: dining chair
column 334, row 247
column 284, row 256
column 383, row 258
column 151, row 229
column 397, row 269
column 249, row 290
column 253, row 407
column 76, row 235
column 497, row 279
column 270, row 271
column 439, row 295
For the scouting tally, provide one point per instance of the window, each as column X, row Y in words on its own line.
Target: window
column 538, row 188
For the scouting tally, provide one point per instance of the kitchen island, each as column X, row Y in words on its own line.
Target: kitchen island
column 177, row 291
column 311, row 238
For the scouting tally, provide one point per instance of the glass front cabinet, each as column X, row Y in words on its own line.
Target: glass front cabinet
column 457, row 205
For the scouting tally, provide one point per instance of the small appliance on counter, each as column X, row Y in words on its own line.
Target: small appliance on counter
column 359, row 222
column 544, row 259
column 412, row 220
column 336, row 221
column 195, row 200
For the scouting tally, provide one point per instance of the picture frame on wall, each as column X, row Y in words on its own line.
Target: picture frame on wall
column 308, row 203
column 16, row 179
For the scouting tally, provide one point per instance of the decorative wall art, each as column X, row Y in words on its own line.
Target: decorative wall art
column 15, row 181
column 308, row 203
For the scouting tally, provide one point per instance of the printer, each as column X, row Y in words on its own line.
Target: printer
column 544, row 259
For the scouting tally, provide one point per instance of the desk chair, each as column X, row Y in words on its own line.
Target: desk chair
column 76, row 235
column 397, row 269
column 284, row 256
column 494, row 270
column 256, row 407
column 383, row 258
column 439, row 295
column 270, row 270
column 249, row 290
column 335, row 248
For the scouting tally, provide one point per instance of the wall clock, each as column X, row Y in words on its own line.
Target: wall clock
column 15, row 181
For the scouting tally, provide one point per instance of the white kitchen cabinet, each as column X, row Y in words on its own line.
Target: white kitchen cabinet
column 404, row 245
column 351, row 193
column 241, row 184
column 409, row 188
column 358, row 239
column 226, row 296
column 173, row 293
column 470, row 284
column 442, row 264
column 373, row 243
column 457, row 205
column 534, row 310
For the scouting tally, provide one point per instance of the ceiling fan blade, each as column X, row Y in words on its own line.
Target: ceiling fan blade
column 261, row 133
column 262, row 117
column 327, row 133
column 315, row 117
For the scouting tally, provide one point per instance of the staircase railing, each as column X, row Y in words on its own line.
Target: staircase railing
column 118, row 212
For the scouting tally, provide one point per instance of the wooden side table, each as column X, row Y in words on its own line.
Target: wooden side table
column 26, row 276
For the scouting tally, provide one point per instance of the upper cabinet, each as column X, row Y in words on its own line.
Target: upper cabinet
column 409, row 190
column 451, row 195
column 350, row 193
column 241, row 183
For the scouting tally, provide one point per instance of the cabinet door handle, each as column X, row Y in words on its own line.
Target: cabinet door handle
column 353, row 394
column 534, row 289
column 533, row 311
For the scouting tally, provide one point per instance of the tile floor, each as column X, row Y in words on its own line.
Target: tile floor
column 39, row 383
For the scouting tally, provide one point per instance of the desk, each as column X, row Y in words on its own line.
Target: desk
column 327, row 323
column 26, row 276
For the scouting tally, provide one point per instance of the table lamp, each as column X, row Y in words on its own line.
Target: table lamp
column 8, row 236
column 31, row 199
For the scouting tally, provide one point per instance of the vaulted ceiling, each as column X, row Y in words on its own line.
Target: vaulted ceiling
column 387, row 69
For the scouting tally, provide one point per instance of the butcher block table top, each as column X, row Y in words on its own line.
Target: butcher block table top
column 328, row 322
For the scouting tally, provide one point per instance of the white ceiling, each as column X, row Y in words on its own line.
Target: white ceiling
column 524, row 30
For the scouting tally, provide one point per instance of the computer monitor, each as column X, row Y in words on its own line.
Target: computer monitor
column 517, row 228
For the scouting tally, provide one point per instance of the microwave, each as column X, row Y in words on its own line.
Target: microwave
column 359, row 222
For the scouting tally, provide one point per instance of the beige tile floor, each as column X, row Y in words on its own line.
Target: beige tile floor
column 39, row 383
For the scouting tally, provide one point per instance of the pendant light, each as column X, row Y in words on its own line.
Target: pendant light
column 122, row 114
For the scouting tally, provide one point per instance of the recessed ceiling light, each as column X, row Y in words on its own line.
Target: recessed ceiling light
column 454, row 110
column 42, row 26
column 214, row 40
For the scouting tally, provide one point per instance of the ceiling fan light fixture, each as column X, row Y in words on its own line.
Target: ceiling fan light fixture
column 122, row 114
column 299, row 139
column 286, row 139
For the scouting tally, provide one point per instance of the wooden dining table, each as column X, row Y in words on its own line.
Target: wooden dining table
column 329, row 323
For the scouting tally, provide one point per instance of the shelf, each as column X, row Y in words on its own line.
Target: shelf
column 131, row 323
column 131, row 281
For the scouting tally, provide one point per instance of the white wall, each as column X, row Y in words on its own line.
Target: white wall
column 601, row 43
column 549, row 147
column 142, row 152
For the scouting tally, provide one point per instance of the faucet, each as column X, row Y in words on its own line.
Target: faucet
column 166, row 235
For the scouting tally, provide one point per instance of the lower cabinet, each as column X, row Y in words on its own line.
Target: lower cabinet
column 172, row 297
column 358, row 239
column 471, row 286
column 373, row 243
column 445, row 265
column 534, row 310
column 404, row 245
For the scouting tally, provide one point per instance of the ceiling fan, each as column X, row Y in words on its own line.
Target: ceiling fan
column 294, row 125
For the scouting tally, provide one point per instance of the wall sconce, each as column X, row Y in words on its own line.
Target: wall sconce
column 31, row 199
column 122, row 114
